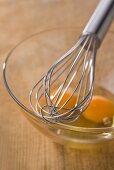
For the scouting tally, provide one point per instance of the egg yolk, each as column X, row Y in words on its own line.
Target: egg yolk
column 69, row 105
column 99, row 109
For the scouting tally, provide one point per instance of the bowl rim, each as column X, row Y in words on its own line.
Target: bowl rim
column 30, row 112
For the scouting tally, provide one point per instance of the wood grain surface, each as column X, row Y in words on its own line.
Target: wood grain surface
column 22, row 147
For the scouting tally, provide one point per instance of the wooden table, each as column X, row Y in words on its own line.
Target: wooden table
column 22, row 147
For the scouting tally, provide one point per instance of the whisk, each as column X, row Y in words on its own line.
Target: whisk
column 73, row 72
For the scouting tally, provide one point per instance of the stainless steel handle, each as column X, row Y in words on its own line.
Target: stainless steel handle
column 100, row 20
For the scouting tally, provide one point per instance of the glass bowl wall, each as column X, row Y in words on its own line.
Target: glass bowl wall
column 31, row 59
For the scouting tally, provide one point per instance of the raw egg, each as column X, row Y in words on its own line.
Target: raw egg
column 69, row 105
column 100, row 110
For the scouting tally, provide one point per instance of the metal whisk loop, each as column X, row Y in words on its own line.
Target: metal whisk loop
column 69, row 114
column 73, row 73
column 51, row 111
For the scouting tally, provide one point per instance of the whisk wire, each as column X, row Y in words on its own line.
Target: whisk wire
column 72, row 67
column 50, row 110
column 76, row 69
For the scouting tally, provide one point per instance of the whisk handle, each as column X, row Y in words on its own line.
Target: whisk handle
column 100, row 20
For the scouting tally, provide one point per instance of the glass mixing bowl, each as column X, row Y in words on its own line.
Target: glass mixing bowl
column 30, row 60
